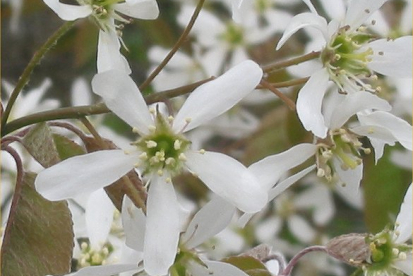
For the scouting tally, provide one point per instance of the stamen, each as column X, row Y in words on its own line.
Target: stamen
column 151, row 144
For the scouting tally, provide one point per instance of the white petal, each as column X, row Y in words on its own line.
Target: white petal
column 143, row 9
column 99, row 217
column 301, row 229
column 270, row 169
column 283, row 185
column 359, row 11
column 336, row 10
column 277, row 190
column 300, row 21
column 400, row 129
column 215, row 97
column 354, row 103
column 215, row 269
column 351, row 177
column 109, row 56
column 309, row 102
column 83, row 174
column 404, row 218
column 354, row 197
column 134, row 223
column 405, row 265
column 207, row 222
column 390, row 57
column 162, row 227
column 123, row 97
column 229, row 179
column 68, row 12
column 105, row 270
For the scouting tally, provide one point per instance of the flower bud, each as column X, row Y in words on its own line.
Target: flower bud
column 350, row 248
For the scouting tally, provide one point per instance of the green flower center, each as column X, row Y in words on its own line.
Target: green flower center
column 262, row 5
column 384, row 252
column 234, row 35
column 162, row 149
column 342, row 145
column 346, row 59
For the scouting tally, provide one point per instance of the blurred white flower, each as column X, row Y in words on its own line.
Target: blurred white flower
column 104, row 13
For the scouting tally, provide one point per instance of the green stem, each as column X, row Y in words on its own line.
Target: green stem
column 176, row 47
column 82, row 111
column 24, row 78
column 282, row 64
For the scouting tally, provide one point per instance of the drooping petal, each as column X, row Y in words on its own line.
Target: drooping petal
column 99, row 217
column 400, row 129
column 354, row 103
column 162, row 227
column 123, row 97
column 309, row 102
column 229, row 179
column 134, row 223
column 109, row 56
column 351, row 177
column 215, row 97
column 277, row 190
column 106, row 270
column 283, row 185
column 69, row 12
column 359, row 11
column 404, row 218
column 303, row 20
column 270, row 169
column 390, row 56
column 207, row 222
column 83, row 174
column 142, row 9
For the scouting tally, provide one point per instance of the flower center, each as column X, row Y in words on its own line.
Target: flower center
column 384, row 252
column 342, row 145
column 93, row 257
column 262, row 5
column 162, row 149
column 346, row 59
column 233, row 35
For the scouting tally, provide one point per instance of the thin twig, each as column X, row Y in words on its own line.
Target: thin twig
column 176, row 47
column 25, row 76
column 282, row 64
column 100, row 108
column 294, row 260
column 277, row 92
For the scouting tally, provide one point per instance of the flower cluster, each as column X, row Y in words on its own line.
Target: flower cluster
column 181, row 161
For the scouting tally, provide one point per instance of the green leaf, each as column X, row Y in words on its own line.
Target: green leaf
column 66, row 148
column 38, row 239
column 244, row 262
column 40, row 144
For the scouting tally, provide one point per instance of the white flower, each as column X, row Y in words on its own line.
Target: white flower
column 160, row 153
column 223, row 39
column 390, row 253
column 340, row 153
column 348, row 57
column 104, row 13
